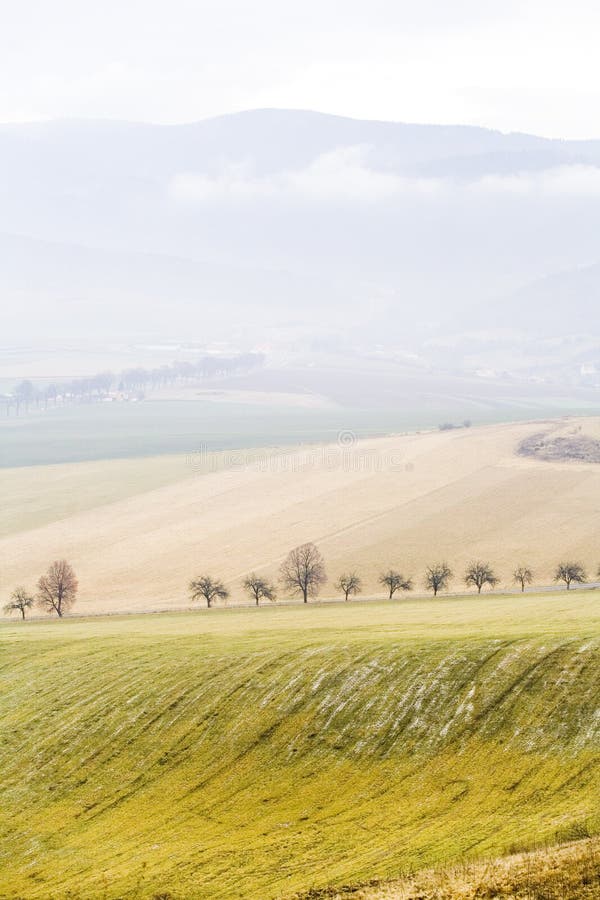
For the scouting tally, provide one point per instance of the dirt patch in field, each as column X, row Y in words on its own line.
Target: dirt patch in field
column 564, row 448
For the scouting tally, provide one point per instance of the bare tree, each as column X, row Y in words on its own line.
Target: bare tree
column 349, row 584
column 394, row 581
column 570, row 572
column 259, row 588
column 206, row 588
column 24, row 393
column 438, row 577
column 523, row 576
column 303, row 571
column 479, row 574
column 19, row 600
column 57, row 589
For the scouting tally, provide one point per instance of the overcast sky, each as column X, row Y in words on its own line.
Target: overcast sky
column 516, row 65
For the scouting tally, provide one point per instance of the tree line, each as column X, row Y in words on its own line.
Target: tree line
column 302, row 573
column 134, row 380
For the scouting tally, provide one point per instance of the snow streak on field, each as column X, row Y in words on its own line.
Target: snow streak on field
column 257, row 753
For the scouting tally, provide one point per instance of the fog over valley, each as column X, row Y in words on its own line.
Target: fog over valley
column 372, row 232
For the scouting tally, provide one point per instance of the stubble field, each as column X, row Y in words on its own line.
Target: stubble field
column 136, row 531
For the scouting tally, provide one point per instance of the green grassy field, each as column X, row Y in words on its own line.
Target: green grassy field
column 258, row 753
column 87, row 432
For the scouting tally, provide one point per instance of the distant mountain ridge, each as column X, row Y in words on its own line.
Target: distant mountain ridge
column 569, row 300
column 276, row 140
column 313, row 216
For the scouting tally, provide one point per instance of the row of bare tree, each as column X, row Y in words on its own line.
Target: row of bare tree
column 302, row 573
column 25, row 394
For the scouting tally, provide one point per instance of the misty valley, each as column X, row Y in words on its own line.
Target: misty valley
column 299, row 450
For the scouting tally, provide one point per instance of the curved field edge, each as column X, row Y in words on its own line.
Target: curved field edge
column 204, row 764
column 554, row 873
column 137, row 531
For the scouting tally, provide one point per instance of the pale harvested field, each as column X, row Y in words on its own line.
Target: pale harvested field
column 571, row 872
column 137, row 530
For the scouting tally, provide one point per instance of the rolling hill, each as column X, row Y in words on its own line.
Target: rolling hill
column 70, row 290
column 138, row 530
column 540, row 306
column 259, row 753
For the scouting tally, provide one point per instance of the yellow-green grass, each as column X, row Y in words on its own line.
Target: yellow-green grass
column 258, row 753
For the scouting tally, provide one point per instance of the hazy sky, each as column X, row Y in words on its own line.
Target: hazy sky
column 527, row 65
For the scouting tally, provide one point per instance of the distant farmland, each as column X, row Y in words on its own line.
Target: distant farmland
column 273, row 407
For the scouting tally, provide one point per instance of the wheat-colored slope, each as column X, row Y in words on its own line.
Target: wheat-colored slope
column 400, row 501
column 555, row 873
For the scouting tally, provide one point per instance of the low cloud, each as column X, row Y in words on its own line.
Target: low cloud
column 344, row 176
column 560, row 181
